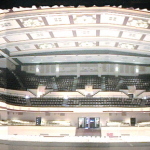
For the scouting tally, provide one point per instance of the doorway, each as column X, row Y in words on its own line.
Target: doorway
column 132, row 121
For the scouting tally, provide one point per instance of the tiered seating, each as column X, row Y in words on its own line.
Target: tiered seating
column 3, row 81
column 141, row 82
column 109, row 102
column 147, row 102
column 111, row 83
column 73, row 102
column 95, row 81
column 32, row 81
column 65, row 83
column 44, row 102
column 8, row 80
column 13, row 100
column 12, row 82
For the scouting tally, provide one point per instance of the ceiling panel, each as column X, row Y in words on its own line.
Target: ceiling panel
column 26, row 47
column 32, row 22
column 66, row 44
column 109, row 33
column 144, row 47
column 40, row 35
column 87, row 44
column 18, row 37
column 132, row 35
column 11, row 24
column 86, row 33
column 99, row 29
column 57, row 19
column 46, row 45
column 107, row 43
column 112, row 18
column 64, row 33
column 84, row 18
column 126, row 45
column 138, row 22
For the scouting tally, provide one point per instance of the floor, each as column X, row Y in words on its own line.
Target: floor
column 88, row 132
column 4, row 145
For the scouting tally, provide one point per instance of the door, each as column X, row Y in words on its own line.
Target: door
column 132, row 121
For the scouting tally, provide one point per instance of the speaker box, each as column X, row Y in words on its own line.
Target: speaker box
column 38, row 121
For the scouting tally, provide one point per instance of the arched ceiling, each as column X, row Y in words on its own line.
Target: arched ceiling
column 73, row 35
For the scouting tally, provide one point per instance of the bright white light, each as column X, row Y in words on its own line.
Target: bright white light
column 116, row 69
column 37, row 69
column 57, row 68
column 137, row 70
column 27, row 96
column 65, row 97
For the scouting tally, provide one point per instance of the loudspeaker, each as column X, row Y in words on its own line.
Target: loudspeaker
column 38, row 121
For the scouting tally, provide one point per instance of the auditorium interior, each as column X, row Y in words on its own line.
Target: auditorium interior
column 75, row 74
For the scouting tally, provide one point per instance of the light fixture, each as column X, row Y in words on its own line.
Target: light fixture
column 27, row 96
column 37, row 69
column 137, row 70
column 57, row 68
column 116, row 69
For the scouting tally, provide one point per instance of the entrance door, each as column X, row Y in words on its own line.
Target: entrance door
column 86, row 122
column 133, row 121
column 92, row 123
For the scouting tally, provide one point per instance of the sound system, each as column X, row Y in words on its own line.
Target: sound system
column 38, row 121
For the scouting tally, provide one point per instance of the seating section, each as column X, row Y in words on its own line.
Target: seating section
column 65, row 83
column 3, row 82
column 8, row 80
column 73, row 102
column 141, row 82
column 95, row 81
column 44, row 102
column 13, row 100
column 111, row 83
column 108, row 102
column 147, row 103
column 12, row 82
column 22, row 79
column 32, row 81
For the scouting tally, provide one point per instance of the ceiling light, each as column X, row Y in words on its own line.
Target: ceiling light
column 137, row 70
column 27, row 96
column 116, row 69
column 37, row 69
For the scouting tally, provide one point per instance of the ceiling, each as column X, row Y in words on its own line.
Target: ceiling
column 47, row 35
